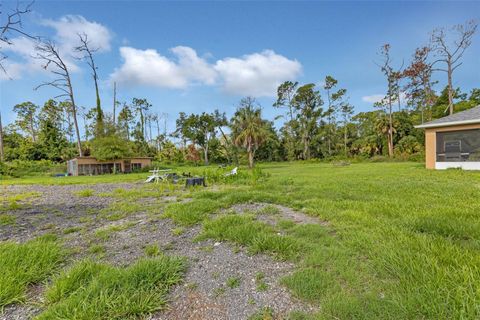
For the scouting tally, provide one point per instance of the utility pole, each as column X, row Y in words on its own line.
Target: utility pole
column 114, row 100
column 1, row 139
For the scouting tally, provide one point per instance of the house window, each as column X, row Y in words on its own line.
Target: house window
column 136, row 166
column 457, row 146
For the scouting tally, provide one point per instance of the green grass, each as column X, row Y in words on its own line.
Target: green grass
column 233, row 282
column 190, row 213
column 97, row 249
column 90, row 290
column 71, row 230
column 25, row 264
column 106, row 232
column 7, row 219
column 266, row 313
column 212, row 173
column 257, row 236
column 17, row 201
column 85, row 193
column 46, row 180
column 401, row 242
column 152, row 250
column 268, row 210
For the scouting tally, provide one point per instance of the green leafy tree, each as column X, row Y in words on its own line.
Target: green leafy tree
column 27, row 118
column 51, row 136
column 248, row 127
column 124, row 121
column 110, row 147
column 335, row 101
column 141, row 106
column 346, row 111
column 285, row 94
column 307, row 103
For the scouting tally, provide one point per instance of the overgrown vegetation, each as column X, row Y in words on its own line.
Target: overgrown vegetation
column 25, row 264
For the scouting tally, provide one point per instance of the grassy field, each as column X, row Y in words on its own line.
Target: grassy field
column 394, row 241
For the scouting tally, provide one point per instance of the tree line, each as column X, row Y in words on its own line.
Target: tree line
column 318, row 121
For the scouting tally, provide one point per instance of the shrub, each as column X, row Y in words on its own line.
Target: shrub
column 21, row 168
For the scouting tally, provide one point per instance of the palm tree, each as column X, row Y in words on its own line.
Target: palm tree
column 248, row 127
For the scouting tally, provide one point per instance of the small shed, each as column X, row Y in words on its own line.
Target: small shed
column 83, row 166
column 453, row 141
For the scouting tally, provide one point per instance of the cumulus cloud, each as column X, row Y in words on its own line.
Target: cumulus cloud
column 68, row 28
column 379, row 97
column 12, row 70
column 194, row 67
column 22, row 50
column 373, row 98
column 148, row 67
column 257, row 74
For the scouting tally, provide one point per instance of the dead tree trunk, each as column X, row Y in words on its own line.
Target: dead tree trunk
column 48, row 52
column 88, row 56
column 450, row 52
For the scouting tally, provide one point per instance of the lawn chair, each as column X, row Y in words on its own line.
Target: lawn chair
column 232, row 173
column 157, row 176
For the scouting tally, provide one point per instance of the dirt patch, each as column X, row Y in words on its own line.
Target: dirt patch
column 273, row 213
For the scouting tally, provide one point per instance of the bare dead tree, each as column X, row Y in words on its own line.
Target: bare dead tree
column 85, row 49
column 50, row 55
column 392, row 92
column 1, row 140
column 450, row 52
column 11, row 24
column 419, row 88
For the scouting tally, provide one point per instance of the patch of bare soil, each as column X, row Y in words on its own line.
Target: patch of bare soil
column 205, row 292
column 281, row 213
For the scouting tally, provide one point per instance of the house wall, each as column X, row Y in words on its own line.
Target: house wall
column 143, row 161
column 120, row 165
column 431, row 145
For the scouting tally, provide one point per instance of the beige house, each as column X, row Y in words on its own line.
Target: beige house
column 453, row 141
column 82, row 166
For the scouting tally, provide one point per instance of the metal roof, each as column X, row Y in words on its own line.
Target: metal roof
column 469, row 116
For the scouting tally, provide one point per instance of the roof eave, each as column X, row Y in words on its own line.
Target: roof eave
column 447, row 124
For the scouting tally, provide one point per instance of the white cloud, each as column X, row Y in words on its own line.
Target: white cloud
column 379, row 97
column 23, row 49
column 69, row 27
column 373, row 98
column 67, row 30
column 257, row 74
column 148, row 67
column 12, row 70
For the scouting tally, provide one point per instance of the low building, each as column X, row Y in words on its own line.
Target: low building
column 453, row 141
column 86, row 166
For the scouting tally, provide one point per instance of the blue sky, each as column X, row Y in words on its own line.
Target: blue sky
column 198, row 56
